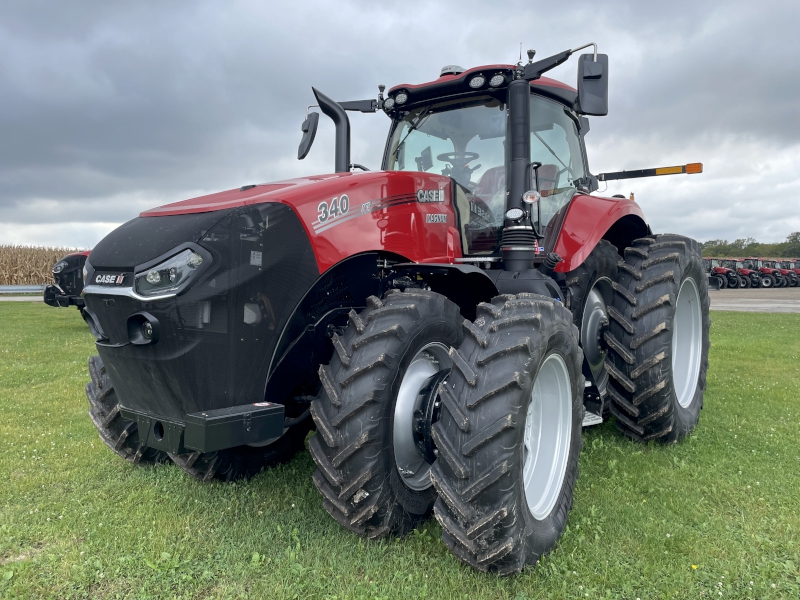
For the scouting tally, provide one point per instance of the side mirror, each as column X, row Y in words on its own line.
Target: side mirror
column 309, row 128
column 593, row 85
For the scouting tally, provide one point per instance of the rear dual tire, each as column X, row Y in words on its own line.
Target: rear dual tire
column 660, row 329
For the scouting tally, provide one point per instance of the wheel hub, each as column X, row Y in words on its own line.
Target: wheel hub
column 427, row 412
column 415, row 412
column 548, row 433
column 687, row 342
column 593, row 324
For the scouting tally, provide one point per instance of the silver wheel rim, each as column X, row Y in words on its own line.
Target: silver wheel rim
column 548, row 432
column 411, row 465
column 595, row 313
column 687, row 342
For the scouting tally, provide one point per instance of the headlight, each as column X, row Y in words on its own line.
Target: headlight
column 388, row 104
column 169, row 275
column 477, row 82
column 59, row 266
column 401, row 98
column 497, row 80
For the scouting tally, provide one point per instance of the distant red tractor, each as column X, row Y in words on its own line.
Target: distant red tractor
column 747, row 277
column 792, row 265
column 788, row 276
column 447, row 323
column 769, row 277
column 726, row 276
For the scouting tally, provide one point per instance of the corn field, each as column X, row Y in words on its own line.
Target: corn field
column 29, row 265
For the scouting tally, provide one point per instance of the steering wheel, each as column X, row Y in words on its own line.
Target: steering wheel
column 463, row 157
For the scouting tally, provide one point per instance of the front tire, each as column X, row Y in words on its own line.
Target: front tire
column 658, row 367
column 243, row 462
column 510, row 434
column 723, row 282
column 744, row 282
column 367, row 472
column 121, row 435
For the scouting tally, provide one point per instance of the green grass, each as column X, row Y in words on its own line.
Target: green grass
column 77, row 521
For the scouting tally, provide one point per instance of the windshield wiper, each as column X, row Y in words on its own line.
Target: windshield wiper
column 551, row 150
column 420, row 119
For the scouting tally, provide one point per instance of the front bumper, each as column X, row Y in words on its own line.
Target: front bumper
column 209, row 431
column 54, row 296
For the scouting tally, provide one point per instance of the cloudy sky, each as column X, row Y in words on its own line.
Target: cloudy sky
column 109, row 108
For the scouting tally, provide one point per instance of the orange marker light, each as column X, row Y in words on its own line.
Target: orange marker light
column 694, row 168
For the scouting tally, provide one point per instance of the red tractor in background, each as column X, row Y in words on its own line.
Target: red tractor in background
column 447, row 324
column 769, row 277
column 788, row 276
column 726, row 276
column 68, row 276
column 747, row 277
column 792, row 265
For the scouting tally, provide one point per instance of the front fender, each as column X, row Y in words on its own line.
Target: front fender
column 592, row 218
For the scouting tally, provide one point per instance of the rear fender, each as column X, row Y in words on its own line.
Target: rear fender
column 592, row 218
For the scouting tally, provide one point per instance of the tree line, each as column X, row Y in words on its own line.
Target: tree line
column 751, row 247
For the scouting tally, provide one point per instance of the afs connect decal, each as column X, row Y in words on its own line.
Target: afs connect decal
column 330, row 214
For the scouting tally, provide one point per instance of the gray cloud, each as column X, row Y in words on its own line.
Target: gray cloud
column 107, row 109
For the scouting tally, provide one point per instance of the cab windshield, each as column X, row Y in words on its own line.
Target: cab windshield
column 461, row 139
column 464, row 140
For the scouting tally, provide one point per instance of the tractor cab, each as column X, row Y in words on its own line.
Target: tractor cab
column 466, row 139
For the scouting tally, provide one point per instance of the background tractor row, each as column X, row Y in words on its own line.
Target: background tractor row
column 751, row 272
column 447, row 324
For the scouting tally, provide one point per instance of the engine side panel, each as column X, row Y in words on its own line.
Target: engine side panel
column 406, row 213
column 588, row 220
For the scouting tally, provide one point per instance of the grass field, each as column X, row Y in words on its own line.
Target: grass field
column 716, row 516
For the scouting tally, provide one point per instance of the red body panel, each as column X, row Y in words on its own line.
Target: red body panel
column 383, row 213
column 587, row 220
column 81, row 253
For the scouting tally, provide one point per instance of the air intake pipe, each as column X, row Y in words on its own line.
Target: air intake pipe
column 339, row 118
column 519, row 242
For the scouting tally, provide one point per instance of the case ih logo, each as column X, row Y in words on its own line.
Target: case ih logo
column 430, row 196
column 110, row 279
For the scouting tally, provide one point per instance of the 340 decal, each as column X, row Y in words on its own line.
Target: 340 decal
column 337, row 207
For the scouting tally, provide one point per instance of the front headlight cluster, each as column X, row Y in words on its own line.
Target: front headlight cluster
column 59, row 266
column 169, row 275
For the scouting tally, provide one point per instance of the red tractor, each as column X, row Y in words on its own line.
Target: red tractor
column 788, row 276
column 68, row 277
column 768, row 278
column 791, row 265
column 448, row 323
column 726, row 276
column 747, row 277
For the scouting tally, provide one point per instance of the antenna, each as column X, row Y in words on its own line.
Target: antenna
column 520, row 52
